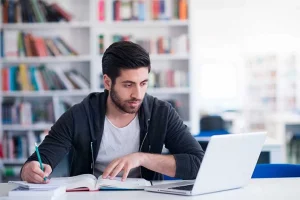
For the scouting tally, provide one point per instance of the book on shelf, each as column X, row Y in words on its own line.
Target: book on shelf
column 16, row 111
column 168, row 79
column 11, row 170
column 176, row 104
column 89, row 182
column 101, row 44
column 21, row 44
column 15, row 146
column 18, row 145
column 155, row 45
column 101, row 10
column 33, row 11
column 1, row 44
column 1, row 150
column 61, row 106
column 41, row 78
column 147, row 9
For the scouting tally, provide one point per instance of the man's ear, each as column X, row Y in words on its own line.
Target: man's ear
column 107, row 82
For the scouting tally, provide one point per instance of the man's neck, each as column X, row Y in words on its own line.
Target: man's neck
column 118, row 117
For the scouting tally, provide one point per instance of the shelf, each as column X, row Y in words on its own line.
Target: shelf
column 45, row 93
column 156, row 91
column 161, row 57
column 13, row 161
column 57, row 59
column 47, row 25
column 169, row 57
column 145, row 24
column 33, row 127
column 179, row 90
column 86, row 92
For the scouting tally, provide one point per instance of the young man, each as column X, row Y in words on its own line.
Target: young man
column 120, row 132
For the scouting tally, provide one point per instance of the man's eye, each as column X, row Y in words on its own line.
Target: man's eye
column 127, row 85
column 145, row 83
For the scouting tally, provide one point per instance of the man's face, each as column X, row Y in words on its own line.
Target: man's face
column 129, row 89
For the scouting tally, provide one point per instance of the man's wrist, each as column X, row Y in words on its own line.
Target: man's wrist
column 142, row 158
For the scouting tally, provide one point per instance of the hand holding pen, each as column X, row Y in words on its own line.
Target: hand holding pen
column 36, row 171
column 40, row 161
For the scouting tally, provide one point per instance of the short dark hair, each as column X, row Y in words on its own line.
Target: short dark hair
column 124, row 55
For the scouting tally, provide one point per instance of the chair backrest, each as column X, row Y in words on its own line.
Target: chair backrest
column 212, row 123
column 276, row 171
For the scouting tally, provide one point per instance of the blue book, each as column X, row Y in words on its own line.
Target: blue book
column 1, row 45
column 11, row 11
column 141, row 11
column 12, row 78
column 162, row 9
column 33, row 78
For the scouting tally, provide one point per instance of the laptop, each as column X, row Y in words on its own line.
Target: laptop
column 228, row 163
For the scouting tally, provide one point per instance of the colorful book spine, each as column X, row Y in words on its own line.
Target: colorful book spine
column 101, row 44
column 101, row 10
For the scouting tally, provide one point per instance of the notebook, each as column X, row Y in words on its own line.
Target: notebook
column 89, row 182
column 40, row 193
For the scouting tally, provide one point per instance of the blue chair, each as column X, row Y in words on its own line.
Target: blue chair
column 294, row 148
column 276, row 171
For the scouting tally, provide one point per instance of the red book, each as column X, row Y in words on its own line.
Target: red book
column 5, row 12
column 155, row 9
column 5, row 80
column 62, row 12
column 101, row 10
column 1, row 151
column 117, row 10
column 36, row 42
column 43, row 47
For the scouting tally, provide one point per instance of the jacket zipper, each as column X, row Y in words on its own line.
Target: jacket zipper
column 143, row 143
column 93, row 162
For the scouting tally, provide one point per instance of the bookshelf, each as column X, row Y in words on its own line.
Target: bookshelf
column 82, row 34
column 271, row 87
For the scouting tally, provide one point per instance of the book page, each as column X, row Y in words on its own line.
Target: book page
column 130, row 183
column 84, row 180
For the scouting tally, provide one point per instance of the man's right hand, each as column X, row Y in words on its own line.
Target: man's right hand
column 32, row 173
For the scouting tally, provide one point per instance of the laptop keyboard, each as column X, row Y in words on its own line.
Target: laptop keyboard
column 184, row 187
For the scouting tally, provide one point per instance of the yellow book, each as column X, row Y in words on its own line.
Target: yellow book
column 24, row 78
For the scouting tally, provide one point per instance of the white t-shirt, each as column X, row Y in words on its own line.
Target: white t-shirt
column 117, row 142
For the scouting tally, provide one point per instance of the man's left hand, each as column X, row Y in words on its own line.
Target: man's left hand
column 125, row 163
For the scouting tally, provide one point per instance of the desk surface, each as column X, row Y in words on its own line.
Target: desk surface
column 258, row 189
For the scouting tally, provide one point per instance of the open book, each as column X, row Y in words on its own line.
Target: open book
column 89, row 182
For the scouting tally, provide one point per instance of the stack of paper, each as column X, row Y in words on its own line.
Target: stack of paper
column 37, row 191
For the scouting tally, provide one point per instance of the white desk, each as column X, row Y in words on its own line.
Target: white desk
column 257, row 189
column 276, row 149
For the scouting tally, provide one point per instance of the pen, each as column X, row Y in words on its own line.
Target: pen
column 39, row 158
